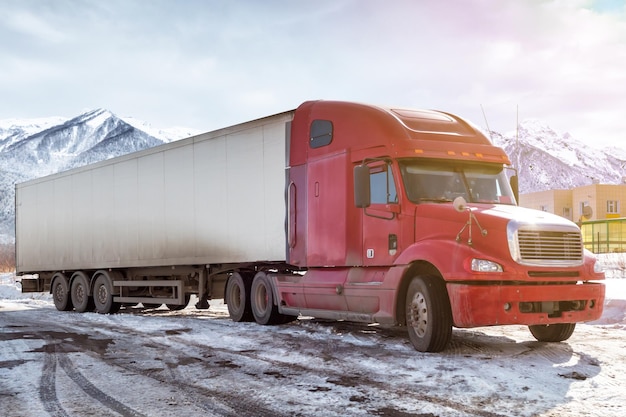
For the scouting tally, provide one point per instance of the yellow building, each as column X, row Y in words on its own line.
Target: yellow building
column 597, row 208
column 554, row 201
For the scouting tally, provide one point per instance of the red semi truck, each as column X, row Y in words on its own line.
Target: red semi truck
column 334, row 210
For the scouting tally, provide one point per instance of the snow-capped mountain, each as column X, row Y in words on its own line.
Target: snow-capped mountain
column 38, row 147
column 549, row 160
column 545, row 159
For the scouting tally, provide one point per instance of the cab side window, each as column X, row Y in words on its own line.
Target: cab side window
column 321, row 133
column 382, row 186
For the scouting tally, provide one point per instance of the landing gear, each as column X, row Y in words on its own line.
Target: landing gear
column 177, row 307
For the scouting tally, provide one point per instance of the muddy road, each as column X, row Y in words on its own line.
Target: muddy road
column 153, row 362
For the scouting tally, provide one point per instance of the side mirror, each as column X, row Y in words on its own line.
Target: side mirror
column 362, row 198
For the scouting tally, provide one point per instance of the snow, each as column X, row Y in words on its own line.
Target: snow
column 166, row 135
column 580, row 384
column 32, row 126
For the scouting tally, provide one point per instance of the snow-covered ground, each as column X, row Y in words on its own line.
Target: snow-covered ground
column 307, row 368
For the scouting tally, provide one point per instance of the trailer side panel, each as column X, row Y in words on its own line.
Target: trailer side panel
column 213, row 198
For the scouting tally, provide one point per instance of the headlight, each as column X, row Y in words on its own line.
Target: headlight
column 483, row 265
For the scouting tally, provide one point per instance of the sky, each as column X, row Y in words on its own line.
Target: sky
column 207, row 64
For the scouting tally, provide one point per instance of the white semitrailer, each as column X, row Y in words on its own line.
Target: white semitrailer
column 169, row 211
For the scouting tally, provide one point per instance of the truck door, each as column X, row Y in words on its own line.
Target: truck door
column 382, row 232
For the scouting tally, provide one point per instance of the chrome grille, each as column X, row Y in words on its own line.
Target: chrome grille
column 540, row 246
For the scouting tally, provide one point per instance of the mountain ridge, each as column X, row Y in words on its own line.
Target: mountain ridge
column 39, row 147
column 31, row 148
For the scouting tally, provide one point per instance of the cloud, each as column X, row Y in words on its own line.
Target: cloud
column 29, row 24
column 206, row 64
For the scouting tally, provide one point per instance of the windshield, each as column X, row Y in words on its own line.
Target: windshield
column 442, row 182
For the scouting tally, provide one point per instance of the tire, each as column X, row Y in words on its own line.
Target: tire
column 552, row 332
column 81, row 299
column 262, row 303
column 177, row 307
column 237, row 298
column 428, row 314
column 61, row 292
column 103, row 295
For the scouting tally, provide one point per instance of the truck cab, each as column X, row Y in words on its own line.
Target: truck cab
column 408, row 217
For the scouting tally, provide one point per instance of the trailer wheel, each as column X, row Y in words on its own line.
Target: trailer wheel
column 103, row 295
column 80, row 293
column 264, row 309
column 428, row 314
column 61, row 293
column 552, row 332
column 237, row 298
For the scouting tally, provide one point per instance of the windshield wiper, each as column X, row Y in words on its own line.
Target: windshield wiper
column 434, row 199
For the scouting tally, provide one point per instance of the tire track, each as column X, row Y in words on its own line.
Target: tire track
column 91, row 390
column 214, row 401
column 363, row 385
column 211, row 401
column 47, row 387
column 356, row 380
column 48, row 393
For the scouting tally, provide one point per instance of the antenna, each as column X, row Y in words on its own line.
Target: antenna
column 485, row 116
column 517, row 125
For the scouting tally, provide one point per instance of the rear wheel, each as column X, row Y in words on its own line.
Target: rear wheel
column 552, row 332
column 80, row 293
column 103, row 295
column 61, row 292
column 264, row 309
column 237, row 298
column 428, row 314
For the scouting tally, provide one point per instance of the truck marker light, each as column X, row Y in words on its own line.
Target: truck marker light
column 465, row 153
column 479, row 155
column 451, row 153
column 419, row 151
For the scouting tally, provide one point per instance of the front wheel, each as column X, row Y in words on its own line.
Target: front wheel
column 552, row 332
column 428, row 314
